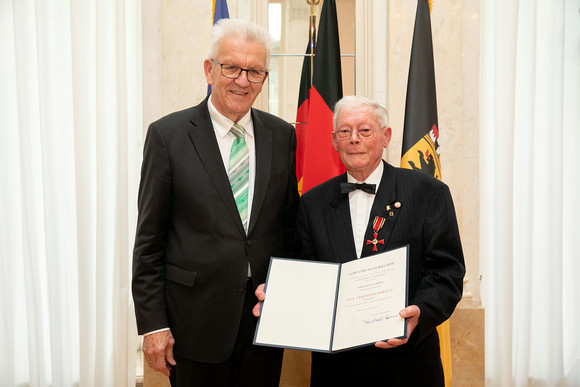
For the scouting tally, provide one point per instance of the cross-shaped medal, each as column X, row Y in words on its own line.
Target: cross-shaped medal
column 377, row 224
column 375, row 241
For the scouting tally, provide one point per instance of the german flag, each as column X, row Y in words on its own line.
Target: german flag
column 421, row 129
column 316, row 159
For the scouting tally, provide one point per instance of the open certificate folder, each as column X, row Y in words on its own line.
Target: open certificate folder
column 328, row 307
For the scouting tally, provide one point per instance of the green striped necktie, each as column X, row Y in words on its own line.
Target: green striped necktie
column 239, row 172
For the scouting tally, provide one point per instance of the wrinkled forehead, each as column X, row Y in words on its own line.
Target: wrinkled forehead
column 357, row 116
column 239, row 51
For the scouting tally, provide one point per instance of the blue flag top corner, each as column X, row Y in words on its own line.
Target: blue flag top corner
column 219, row 11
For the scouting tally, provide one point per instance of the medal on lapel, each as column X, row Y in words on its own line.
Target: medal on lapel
column 377, row 225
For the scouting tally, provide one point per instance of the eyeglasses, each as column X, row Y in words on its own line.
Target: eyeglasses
column 233, row 72
column 363, row 134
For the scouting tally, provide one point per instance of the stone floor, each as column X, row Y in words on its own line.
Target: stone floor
column 467, row 347
column 467, row 351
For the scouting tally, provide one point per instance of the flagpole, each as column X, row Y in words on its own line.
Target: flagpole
column 313, row 4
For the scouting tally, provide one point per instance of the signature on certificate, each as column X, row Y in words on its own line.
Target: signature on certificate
column 379, row 319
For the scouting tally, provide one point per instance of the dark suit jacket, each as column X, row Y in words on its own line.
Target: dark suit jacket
column 191, row 253
column 425, row 220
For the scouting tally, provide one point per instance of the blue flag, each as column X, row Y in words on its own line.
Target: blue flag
column 219, row 11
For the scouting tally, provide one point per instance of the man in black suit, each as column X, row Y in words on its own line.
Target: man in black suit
column 217, row 198
column 337, row 222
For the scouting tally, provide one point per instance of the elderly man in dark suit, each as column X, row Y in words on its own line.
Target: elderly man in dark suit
column 342, row 220
column 217, row 198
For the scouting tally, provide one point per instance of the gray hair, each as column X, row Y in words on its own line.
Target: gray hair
column 242, row 28
column 351, row 102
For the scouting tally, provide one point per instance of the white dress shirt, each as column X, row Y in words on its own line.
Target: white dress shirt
column 225, row 139
column 360, row 204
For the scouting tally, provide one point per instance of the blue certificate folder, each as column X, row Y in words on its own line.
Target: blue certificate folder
column 330, row 307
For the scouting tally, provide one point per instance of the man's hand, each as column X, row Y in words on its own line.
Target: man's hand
column 158, row 350
column 261, row 296
column 412, row 313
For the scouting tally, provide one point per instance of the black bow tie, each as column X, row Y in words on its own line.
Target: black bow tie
column 349, row 187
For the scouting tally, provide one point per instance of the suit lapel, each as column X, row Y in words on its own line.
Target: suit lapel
column 203, row 138
column 339, row 226
column 383, row 207
column 263, row 142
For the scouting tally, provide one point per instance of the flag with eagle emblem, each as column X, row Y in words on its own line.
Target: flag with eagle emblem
column 421, row 130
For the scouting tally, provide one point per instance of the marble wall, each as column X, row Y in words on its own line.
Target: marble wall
column 176, row 35
column 455, row 29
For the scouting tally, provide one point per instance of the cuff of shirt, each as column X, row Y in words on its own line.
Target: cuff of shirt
column 158, row 330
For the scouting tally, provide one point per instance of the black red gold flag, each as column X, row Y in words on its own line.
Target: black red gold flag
column 316, row 159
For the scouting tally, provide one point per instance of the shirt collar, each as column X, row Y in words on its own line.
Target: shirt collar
column 374, row 178
column 223, row 123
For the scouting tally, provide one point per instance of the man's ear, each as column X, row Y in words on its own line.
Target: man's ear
column 334, row 143
column 388, row 134
column 207, row 69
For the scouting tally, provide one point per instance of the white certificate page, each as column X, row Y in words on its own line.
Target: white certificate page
column 299, row 308
column 372, row 292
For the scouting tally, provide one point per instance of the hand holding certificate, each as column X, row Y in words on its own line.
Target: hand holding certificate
column 327, row 307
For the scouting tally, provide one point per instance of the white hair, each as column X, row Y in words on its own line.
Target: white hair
column 351, row 102
column 239, row 28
